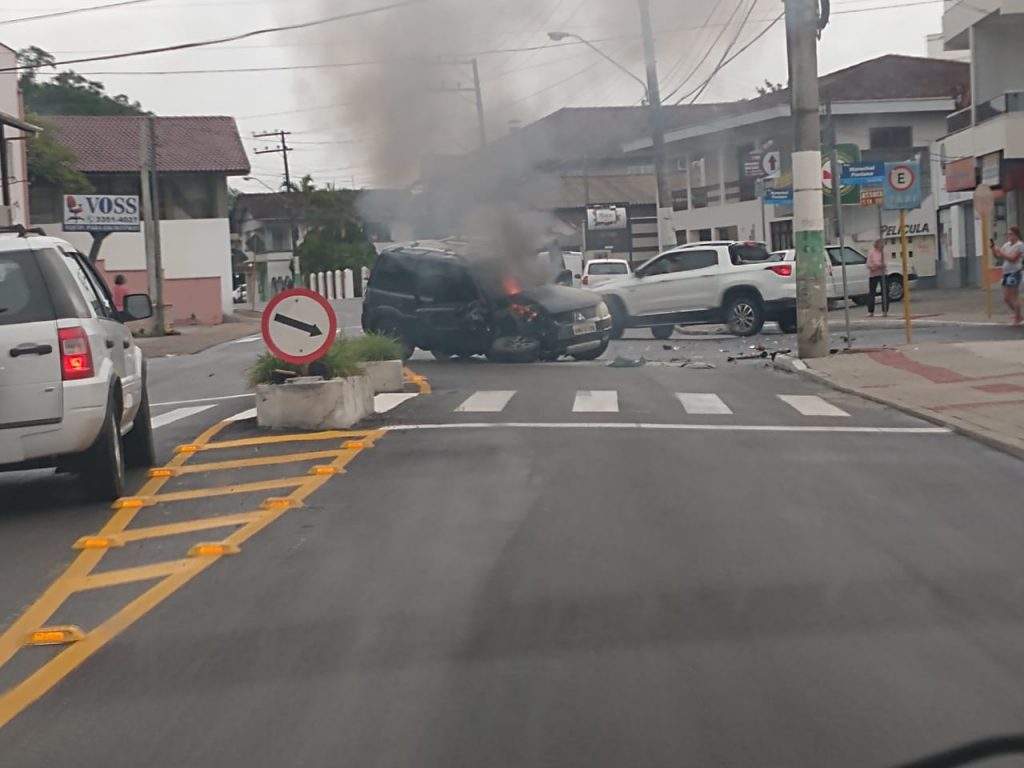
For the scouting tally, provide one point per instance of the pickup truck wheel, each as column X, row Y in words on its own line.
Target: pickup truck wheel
column 102, row 466
column 894, row 284
column 663, row 332
column 744, row 315
column 618, row 312
column 139, row 450
column 787, row 323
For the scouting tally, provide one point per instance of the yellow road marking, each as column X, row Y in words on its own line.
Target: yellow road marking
column 99, row 542
column 188, row 526
column 214, row 549
column 419, row 381
column 55, row 635
column 130, row 575
column 278, row 439
column 230, row 490
column 263, row 461
column 175, row 574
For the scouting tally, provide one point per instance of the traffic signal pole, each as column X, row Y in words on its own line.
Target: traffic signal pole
column 808, row 214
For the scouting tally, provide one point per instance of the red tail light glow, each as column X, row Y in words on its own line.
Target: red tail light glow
column 783, row 270
column 75, row 355
column 586, row 279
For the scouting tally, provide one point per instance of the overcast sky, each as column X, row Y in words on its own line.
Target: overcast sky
column 326, row 108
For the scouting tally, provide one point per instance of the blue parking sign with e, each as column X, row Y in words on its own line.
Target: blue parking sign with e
column 902, row 188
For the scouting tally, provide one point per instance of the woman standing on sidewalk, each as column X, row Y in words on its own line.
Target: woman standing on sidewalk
column 876, row 278
column 1011, row 253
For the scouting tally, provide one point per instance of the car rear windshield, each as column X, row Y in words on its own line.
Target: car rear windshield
column 23, row 294
column 607, row 269
column 744, row 253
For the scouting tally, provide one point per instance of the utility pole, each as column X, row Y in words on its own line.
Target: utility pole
column 150, row 188
column 666, row 227
column 479, row 104
column 283, row 149
column 837, row 210
column 808, row 214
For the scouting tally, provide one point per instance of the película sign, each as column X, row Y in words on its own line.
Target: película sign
column 102, row 213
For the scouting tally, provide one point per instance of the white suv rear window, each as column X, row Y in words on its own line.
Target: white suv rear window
column 607, row 269
column 23, row 294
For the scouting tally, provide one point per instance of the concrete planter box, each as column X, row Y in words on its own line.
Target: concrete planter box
column 314, row 404
column 386, row 375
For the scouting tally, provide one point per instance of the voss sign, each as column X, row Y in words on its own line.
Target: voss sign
column 102, row 213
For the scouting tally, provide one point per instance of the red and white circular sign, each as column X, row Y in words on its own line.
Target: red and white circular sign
column 902, row 178
column 299, row 326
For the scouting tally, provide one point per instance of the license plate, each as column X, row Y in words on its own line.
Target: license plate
column 582, row 329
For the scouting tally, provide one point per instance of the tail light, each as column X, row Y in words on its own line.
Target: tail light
column 523, row 311
column 75, row 355
column 586, row 279
column 782, row 270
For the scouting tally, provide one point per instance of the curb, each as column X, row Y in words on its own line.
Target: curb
column 793, row 365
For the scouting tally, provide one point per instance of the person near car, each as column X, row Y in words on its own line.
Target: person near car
column 1011, row 253
column 876, row 277
column 120, row 291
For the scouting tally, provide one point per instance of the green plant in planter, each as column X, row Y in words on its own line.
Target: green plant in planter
column 374, row 347
column 340, row 362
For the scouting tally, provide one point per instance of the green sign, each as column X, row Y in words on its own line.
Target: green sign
column 848, row 153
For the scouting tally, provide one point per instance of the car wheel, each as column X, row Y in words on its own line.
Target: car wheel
column 895, row 287
column 618, row 312
column 514, row 349
column 787, row 324
column 663, row 332
column 139, row 449
column 744, row 315
column 594, row 353
column 102, row 466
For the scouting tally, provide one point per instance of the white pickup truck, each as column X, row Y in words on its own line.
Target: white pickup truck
column 738, row 283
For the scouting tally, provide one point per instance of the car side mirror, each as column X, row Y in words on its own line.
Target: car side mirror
column 137, row 306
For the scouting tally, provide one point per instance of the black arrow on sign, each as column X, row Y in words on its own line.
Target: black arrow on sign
column 291, row 322
column 772, row 162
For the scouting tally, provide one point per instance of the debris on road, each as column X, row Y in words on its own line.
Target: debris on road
column 625, row 362
column 698, row 365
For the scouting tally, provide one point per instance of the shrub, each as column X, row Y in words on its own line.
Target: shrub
column 374, row 347
column 339, row 362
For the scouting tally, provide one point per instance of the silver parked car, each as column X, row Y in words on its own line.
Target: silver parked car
column 72, row 380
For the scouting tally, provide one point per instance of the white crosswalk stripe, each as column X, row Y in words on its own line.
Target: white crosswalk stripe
column 703, row 403
column 388, row 401
column 596, row 401
column 812, row 405
column 178, row 414
column 486, row 401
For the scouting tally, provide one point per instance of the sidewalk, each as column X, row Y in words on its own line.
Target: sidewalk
column 974, row 388
column 195, row 338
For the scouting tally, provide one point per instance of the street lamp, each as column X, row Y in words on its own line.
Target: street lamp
column 261, row 181
column 560, row 36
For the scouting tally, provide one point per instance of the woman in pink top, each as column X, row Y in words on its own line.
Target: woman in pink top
column 876, row 278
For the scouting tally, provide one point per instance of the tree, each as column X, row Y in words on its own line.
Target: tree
column 769, row 87
column 51, row 164
column 67, row 93
column 336, row 238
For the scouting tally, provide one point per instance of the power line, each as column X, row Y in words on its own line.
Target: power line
column 229, row 39
column 707, row 53
column 728, row 50
column 72, row 11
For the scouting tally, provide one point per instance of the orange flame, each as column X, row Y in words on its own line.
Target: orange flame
column 511, row 286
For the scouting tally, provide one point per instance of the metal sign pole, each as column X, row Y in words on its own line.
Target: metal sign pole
column 837, row 205
column 885, row 264
column 906, row 274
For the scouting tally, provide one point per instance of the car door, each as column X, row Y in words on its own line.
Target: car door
column 30, row 373
column 679, row 282
column 856, row 271
column 445, row 292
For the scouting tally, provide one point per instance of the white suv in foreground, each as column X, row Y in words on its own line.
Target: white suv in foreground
column 738, row 283
column 72, row 380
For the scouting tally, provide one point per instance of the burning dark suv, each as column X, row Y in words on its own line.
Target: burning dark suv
column 452, row 301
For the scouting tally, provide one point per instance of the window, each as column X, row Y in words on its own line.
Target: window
column 23, row 294
column 392, row 274
column 728, row 233
column 444, row 283
column 895, row 137
column 782, row 235
column 744, row 253
column 95, row 293
column 608, row 268
column 682, row 261
column 850, row 256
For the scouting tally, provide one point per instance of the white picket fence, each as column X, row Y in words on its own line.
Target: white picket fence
column 338, row 283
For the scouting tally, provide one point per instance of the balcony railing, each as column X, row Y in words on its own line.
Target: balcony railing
column 1011, row 101
column 958, row 121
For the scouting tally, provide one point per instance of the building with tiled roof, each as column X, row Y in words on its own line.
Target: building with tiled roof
column 195, row 156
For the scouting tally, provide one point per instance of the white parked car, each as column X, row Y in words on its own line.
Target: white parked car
column 598, row 271
column 738, row 283
column 72, row 380
column 857, row 284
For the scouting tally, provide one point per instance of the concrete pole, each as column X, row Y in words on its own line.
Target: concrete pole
column 666, row 226
column 480, row 117
column 151, row 222
column 808, row 215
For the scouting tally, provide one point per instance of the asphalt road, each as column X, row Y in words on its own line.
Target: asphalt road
column 548, row 565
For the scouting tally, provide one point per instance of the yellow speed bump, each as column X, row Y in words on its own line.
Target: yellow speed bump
column 99, row 542
column 356, row 445
column 324, row 470
column 187, row 448
column 130, row 502
column 213, row 549
column 280, row 502
column 55, row 636
column 162, row 472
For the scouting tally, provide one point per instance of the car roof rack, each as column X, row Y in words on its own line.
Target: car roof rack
column 22, row 231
